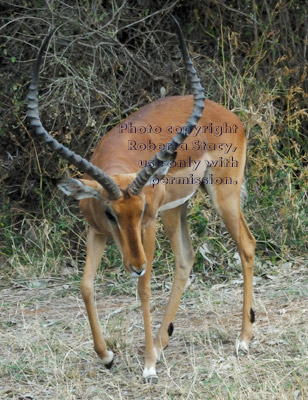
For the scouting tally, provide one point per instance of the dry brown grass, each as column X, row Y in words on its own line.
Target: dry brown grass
column 46, row 347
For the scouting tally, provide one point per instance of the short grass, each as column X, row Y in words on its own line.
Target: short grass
column 46, row 347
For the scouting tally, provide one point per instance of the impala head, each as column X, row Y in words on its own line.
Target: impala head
column 122, row 217
column 121, row 198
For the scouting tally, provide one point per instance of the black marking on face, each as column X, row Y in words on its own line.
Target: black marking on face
column 252, row 316
column 170, row 329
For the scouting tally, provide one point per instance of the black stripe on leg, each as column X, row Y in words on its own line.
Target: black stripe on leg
column 170, row 329
column 252, row 316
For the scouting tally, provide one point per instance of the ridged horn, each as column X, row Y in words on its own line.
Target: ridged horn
column 81, row 163
column 169, row 151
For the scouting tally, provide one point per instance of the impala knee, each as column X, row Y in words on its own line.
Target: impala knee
column 247, row 251
column 182, row 272
column 87, row 291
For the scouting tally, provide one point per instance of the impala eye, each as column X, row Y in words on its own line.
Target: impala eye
column 110, row 216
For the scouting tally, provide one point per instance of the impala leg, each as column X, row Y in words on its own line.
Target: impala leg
column 175, row 225
column 144, row 291
column 95, row 247
column 230, row 210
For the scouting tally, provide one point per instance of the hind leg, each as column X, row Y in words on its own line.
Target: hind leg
column 227, row 202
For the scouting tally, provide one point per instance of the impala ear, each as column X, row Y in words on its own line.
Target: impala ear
column 80, row 189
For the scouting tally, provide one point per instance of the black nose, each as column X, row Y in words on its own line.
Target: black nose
column 136, row 272
column 139, row 273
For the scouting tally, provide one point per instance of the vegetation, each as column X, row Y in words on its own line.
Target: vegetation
column 107, row 60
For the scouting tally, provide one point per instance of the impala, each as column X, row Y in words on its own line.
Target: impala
column 122, row 201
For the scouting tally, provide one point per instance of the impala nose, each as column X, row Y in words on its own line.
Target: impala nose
column 137, row 274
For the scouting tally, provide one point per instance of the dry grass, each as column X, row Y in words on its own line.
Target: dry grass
column 46, row 347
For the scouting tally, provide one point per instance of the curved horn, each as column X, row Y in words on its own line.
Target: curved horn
column 96, row 173
column 169, row 151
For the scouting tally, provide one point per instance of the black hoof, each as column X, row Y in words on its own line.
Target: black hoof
column 151, row 379
column 109, row 365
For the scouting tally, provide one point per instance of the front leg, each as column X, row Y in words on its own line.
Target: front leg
column 95, row 247
column 144, row 291
column 175, row 225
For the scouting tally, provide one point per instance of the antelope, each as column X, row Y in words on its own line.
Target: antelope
column 121, row 200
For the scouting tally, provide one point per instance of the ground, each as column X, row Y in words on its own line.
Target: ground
column 46, row 347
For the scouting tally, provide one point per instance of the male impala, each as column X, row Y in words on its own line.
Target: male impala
column 120, row 200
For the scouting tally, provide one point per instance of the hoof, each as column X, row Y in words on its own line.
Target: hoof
column 108, row 359
column 109, row 365
column 241, row 348
column 151, row 379
column 149, row 376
